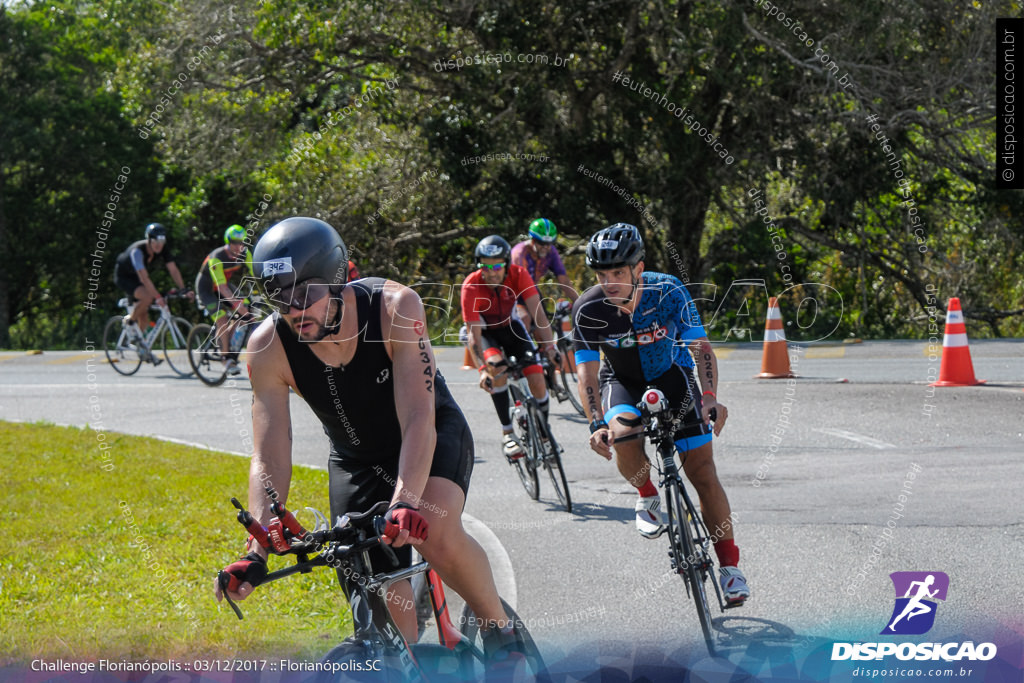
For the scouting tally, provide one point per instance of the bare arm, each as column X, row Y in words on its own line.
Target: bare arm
column 172, row 268
column 707, row 370
column 540, row 319
column 414, row 368
column 271, row 463
column 148, row 284
column 568, row 290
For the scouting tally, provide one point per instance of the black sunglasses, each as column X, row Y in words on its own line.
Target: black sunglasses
column 303, row 295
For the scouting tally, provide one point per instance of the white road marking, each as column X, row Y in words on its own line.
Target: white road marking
column 859, row 438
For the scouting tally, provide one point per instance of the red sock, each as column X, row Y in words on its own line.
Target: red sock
column 728, row 552
column 648, row 489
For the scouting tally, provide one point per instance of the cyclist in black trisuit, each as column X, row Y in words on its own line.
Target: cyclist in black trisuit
column 131, row 273
column 359, row 355
column 646, row 324
column 217, row 287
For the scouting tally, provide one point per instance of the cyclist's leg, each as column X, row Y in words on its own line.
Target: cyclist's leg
column 143, row 300
column 521, row 346
column 356, row 486
column 494, row 343
column 454, row 554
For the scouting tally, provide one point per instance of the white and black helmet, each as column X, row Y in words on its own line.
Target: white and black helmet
column 615, row 246
column 493, row 246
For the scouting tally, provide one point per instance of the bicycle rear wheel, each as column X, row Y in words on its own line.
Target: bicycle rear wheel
column 204, row 356
column 122, row 353
column 570, row 380
column 469, row 626
column 690, row 561
column 175, row 344
column 552, row 461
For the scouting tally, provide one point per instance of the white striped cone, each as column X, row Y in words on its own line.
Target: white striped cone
column 775, row 357
column 956, row 370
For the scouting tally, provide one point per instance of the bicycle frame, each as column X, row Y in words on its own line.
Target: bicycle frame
column 163, row 321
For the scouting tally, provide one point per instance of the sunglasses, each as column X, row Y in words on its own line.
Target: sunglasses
column 303, row 295
column 236, row 242
column 490, row 266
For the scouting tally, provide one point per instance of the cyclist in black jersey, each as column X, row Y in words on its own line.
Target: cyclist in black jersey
column 359, row 355
column 649, row 331
column 131, row 272
column 217, row 283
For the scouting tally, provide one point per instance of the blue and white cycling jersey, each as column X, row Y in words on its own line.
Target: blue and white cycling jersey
column 641, row 347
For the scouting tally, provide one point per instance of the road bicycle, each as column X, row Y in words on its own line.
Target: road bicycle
column 563, row 383
column 534, row 434
column 690, row 544
column 127, row 347
column 204, row 351
column 377, row 651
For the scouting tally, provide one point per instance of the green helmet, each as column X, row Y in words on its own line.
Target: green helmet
column 544, row 231
column 236, row 233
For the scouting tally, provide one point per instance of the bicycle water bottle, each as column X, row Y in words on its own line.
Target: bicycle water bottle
column 655, row 401
column 237, row 338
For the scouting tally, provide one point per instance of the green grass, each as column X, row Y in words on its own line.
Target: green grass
column 74, row 580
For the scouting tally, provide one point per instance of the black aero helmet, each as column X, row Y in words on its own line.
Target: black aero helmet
column 155, row 231
column 493, row 246
column 298, row 249
column 615, row 246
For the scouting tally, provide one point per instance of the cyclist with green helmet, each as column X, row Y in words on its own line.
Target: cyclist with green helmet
column 539, row 255
column 217, row 297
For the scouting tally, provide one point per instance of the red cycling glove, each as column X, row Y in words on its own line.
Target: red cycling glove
column 405, row 516
column 252, row 569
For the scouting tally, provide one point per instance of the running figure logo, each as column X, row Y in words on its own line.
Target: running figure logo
column 914, row 612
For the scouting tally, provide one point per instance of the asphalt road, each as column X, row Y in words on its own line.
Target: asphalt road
column 593, row 590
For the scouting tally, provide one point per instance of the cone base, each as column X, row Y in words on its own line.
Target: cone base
column 772, row 375
column 951, row 383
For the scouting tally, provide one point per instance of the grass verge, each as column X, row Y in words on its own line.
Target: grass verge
column 79, row 581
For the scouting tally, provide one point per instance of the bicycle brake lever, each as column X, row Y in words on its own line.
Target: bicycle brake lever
column 223, row 578
column 378, row 526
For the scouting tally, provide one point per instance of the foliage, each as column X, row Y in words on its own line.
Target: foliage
column 379, row 117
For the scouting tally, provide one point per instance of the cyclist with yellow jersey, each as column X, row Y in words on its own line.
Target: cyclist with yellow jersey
column 221, row 266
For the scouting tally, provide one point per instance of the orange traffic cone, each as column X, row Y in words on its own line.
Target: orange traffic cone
column 956, row 369
column 467, row 359
column 775, row 358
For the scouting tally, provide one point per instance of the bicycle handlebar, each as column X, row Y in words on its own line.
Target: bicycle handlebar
column 286, row 536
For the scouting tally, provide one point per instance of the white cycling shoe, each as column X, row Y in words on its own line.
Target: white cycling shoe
column 512, row 448
column 648, row 519
column 734, row 585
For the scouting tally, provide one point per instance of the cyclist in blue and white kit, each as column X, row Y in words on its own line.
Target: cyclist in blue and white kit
column 650, row 332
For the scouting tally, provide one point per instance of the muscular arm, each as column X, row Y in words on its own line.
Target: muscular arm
column 271, row 462
column 147, row 282
column 707, row 369
column 413, row 362
column 476, row 341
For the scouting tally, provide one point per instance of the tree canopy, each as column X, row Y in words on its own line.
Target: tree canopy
column 844, row 152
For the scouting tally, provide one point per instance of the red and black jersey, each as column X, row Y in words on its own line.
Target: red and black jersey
column 495, row 305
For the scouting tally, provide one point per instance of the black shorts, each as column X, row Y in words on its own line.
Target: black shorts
column 128, row 283
column 356, row 485
column 681, row 391
column 512, row 340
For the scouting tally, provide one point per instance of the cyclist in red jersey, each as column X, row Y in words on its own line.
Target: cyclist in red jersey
column 488, row 307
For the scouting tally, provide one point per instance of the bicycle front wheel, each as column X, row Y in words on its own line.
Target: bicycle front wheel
column 469, row 626
column 689, row 561
column 552, row 459
column 351, row 661
column 175, row 344
column 122, row 353
column 204, row 356
column 525, row 466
